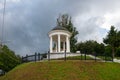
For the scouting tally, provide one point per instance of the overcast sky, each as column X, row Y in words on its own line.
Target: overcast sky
column 27, row 22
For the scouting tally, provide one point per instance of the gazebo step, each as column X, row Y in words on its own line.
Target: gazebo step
column 61, row 55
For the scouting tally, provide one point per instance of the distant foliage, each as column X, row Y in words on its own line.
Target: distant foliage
column 8, row 59
column 90, row 47
column 117, row 52
column 108, row 51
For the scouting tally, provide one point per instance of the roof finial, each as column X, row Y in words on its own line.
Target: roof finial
column 59, row 22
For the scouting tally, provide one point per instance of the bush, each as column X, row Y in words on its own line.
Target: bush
column 118, row 52
column 8, row 59
column 108, row 51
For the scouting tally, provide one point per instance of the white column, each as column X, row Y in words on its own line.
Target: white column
column 51, row 42
column 67, row 44
column 56, row 47
column 64, row 46
column 58, row 42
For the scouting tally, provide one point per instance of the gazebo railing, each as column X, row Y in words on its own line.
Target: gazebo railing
column 35, row 57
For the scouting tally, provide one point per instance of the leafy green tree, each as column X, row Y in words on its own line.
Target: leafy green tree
column 91, row 47
column 99, row 48
column 118, row 39
column 108, row 51
column 66, row 22
column 112, row 39
column 81, row 47
column 8, row 59
column 118, row 52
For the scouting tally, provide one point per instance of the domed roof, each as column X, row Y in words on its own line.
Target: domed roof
column 59, row 28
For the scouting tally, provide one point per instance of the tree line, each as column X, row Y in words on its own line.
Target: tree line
column 90, row 47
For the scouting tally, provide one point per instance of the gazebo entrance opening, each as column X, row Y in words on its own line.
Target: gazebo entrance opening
column 62, row 45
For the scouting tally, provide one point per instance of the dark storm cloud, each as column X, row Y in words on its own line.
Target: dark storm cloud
column 27, row 22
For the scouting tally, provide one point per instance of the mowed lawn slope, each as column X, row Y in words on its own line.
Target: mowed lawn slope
column 61, row 70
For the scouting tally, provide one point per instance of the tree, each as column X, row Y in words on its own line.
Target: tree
column 91, row 46
column 8, row 59
column 99, row 48
column 118, row 52
column 112, row 39
column 118, row 39
column 81, row 47
column 66, row 22
column 108, row 51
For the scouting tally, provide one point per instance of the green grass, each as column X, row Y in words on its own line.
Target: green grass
column 79, row 58
column 107, row 58
column 65, row 70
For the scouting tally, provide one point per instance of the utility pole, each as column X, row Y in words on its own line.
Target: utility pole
column 3, row 19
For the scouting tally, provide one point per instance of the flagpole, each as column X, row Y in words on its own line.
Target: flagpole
column 3, row 22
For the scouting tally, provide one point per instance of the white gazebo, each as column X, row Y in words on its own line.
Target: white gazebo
column 59, row 40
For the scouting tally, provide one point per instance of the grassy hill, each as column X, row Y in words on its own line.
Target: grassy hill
column 61, row 70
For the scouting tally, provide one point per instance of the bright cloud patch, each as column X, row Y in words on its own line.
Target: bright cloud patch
column 12, row 0
column 1, row 5
column 111, row 19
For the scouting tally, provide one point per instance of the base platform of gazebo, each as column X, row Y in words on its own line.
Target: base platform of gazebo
column 62, row 55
